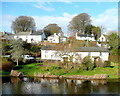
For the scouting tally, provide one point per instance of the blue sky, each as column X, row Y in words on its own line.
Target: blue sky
column 60, row 13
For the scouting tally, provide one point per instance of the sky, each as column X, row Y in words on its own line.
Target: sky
column 103, row 14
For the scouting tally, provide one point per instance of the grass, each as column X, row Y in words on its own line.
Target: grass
column 4, row 73
column 39, row 68
column 110, row 71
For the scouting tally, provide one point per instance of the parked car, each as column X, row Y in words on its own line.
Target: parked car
column 28, row 58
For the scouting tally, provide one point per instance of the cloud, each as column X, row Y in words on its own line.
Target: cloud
column 41, row 21
column 107, row 19
column 44, row 6
column 62, row 21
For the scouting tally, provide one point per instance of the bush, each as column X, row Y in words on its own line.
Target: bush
column 7, row 64
column 106, row 63
column 87, row 62
column 17, row 67
column 100, row 63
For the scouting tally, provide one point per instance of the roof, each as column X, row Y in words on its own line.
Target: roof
column 92, row 49
column 85, row 35
column 28, row 33
column 36, row 33
column 79, row 49
column 22, row 33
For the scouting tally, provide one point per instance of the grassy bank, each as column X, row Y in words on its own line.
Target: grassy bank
column 39, row 68
column 4, row 73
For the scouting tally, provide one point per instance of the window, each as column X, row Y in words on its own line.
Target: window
column 100, row 53
column 102, row 38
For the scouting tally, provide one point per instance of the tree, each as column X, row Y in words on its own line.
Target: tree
column 88, row 29
column 96, row 31
column 79, row 23
column 50, row 29
column 6, row 47
column 114, row 43
column 17, row 50
column 23, row 24
column 113, row 40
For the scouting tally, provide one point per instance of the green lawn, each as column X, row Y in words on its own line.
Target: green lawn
column 39, row 68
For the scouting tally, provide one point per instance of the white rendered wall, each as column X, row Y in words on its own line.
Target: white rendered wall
column 54, row 39
column 63, row 39
column 28, row 38
column 102, row 38
column 54, row 55
column 85, row 38
column 50, row 55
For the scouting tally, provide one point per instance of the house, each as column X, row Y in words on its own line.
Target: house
column 5, row 36
column 57, row 38
column 103, row 38
column 85, row 37
column 30, row 37
column 56, row 53
column 103, row 41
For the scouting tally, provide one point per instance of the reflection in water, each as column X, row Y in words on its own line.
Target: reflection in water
column 57, row 86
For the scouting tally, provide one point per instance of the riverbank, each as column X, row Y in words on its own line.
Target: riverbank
column 49, row 70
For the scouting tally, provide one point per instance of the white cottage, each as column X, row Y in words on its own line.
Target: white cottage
column 30, row 37
column 52, row 53
column 103, row 38
column 57, row 38
column 103, row 41
column 85, row 37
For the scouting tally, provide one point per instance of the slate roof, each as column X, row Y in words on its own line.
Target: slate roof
column 28, row 33
column 79, row 49
column 85, row 35
column 36, row 33
column 92, row 49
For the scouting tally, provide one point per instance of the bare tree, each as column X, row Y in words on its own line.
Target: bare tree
column 23, row 24
column 79, row 23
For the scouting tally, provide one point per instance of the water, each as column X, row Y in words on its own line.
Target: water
column 58, row 86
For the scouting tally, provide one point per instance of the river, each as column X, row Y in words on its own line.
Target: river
column 35, row 85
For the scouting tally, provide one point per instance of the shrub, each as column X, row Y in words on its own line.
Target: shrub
column 106, row 63
column 87, row 62
column 7, row 64
column 100, row 63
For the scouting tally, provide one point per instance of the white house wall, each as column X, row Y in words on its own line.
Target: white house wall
column 29, row 38
column 54, row 39
column 85, row 38
column 51, row 55
column 103, row 55
column 102, row 38
column 63, row 39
